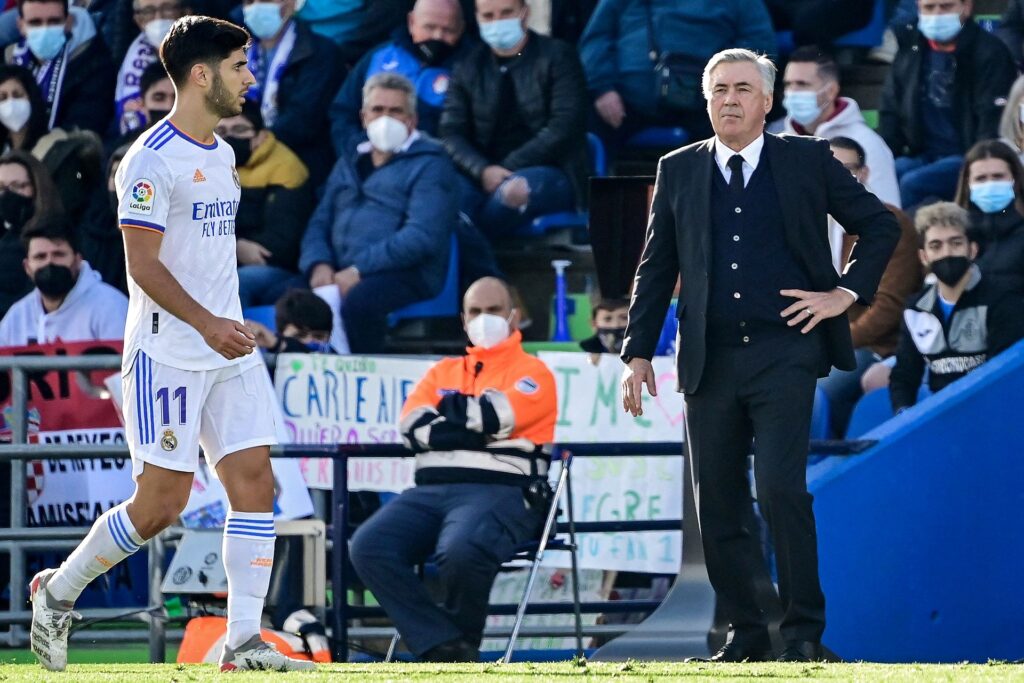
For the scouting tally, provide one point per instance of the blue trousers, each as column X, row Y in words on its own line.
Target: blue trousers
column 468, row 530
column 550, row 192
column 923, row 178
column 264, row 285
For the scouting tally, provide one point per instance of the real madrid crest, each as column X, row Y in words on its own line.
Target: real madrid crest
column 168, row 442
column 234, row 176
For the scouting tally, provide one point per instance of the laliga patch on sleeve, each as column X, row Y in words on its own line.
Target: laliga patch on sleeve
column 141, row 196
column 527, row 386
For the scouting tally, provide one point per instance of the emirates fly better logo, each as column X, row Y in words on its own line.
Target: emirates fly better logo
column 143, row 193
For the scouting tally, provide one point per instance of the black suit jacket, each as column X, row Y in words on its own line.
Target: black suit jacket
column 811, row 185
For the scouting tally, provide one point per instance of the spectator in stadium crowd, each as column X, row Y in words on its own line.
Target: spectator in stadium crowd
column 297, row 73
column 272, row 214
column 378, row 21
column 76, row 161
column 98, row 234
column 1011, row 29
column 819, row 22
column 957, row 323
column 945, row 92
column 624, row 41
column 1011, row 124
column 875, row 329
column 156, row 95
column 991, row 189
column 814, row 107
column 481, row 482
column 608, row 320
column 154, row 19
column 70, row 302
column 27, row 198
column 69, row 61
column 424, row 51
column 381, row 232
column 303, row 322
column 515, row 123
column 22, row 111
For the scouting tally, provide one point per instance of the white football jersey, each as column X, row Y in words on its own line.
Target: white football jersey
column 188, row 192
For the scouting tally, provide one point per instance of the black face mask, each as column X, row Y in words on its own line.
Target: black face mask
column 54, row 281
column 949, row 270
column 243, row 150
column 154, row 115
column 433, row 52
column 611, row 338
column 15, row 210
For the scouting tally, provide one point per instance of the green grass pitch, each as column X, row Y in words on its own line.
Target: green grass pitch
column 560, row 672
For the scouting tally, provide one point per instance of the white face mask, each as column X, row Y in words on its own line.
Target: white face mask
column 14, row 113
column 487, row 330
column 387, row 134
column 157, row 30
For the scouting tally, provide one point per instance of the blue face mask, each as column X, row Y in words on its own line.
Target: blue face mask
column 45, row 42
column 802, row 106
column 318, row 346
column 992, row 196
column 263, row 19
column 941, row 28
column 503, row 34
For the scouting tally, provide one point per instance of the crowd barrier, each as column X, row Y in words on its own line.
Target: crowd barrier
column 19, row 539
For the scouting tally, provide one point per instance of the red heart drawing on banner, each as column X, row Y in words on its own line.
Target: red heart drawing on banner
column 666, row 383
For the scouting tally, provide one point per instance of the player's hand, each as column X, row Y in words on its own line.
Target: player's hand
column 813, row 307
column 492, row 177
column 228, row 337
column 638, row 372
column 322, row 275
column 346, row 280
column 610, row 107
column 251, row 253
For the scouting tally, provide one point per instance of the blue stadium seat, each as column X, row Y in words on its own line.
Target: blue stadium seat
column 445, row 304
column 659, row 137
column 820, row 416
column 261, row 314
column 870, row 35
column 871, row 410
column 541, row 225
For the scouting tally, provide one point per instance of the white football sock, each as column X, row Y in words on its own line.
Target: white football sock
column 111, row 539
column 248, row 558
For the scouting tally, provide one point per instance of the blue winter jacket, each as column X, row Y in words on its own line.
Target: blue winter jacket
column 615, row 50
column 400, row 218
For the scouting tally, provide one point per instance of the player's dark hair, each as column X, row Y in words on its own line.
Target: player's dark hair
column 850, row 145
column 305, row 310
column 151, row 75
column 196, row 39
column 608, row 305
column 62, row 3
column 53, row 228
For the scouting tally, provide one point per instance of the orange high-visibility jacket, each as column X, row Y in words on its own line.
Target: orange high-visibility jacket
column 495, row 430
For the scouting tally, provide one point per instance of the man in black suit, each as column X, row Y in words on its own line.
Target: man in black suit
column 743, row 219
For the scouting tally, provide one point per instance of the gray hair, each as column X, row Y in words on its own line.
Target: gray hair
column 738, row 54
column 391, row 81
column 947, row 214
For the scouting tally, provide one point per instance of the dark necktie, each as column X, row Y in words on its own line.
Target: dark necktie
column 736, row 179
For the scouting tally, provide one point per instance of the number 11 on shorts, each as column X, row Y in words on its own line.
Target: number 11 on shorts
column 165, row 404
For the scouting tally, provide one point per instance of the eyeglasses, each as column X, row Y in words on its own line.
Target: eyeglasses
column 170, row 10
column 19, row 186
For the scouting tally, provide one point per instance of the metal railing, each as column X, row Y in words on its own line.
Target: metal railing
column 18, row 539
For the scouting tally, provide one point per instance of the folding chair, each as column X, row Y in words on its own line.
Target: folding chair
column 533, row 552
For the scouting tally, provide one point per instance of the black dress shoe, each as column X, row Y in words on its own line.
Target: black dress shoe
column 802, row 651
column 738, row 651
column 458, row 650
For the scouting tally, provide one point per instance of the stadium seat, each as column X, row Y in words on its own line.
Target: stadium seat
column 577, row 220
column 659, row 137
column 264, row 315
column 820, row 415
column 871, row 410
column 445, row 304
column 869, row 36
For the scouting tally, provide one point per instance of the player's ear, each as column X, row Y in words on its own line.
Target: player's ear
column 200, row 74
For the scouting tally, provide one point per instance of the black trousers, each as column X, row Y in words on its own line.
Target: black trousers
column 758, row 395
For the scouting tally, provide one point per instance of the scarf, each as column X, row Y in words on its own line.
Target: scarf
column 49, row 75
column 268, row 75
column 127, row 95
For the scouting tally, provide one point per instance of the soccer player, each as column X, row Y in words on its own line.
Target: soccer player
column 189, row 374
